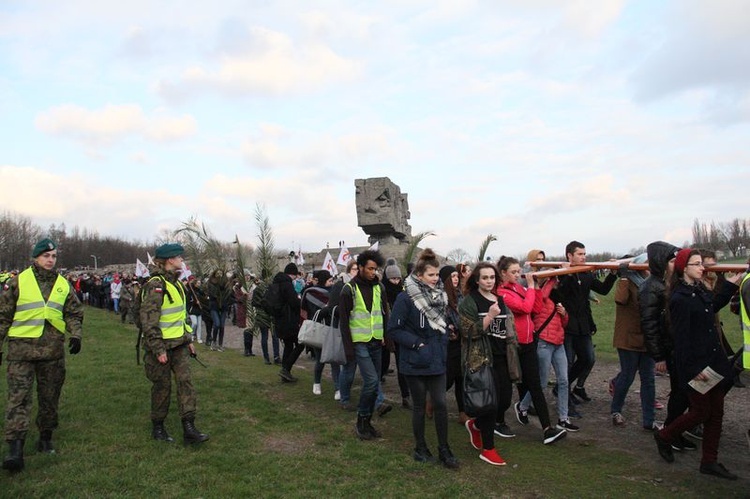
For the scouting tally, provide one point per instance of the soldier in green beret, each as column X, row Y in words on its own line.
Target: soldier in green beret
column 168, row 344
column 36, row 311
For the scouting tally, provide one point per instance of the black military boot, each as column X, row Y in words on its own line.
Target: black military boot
column 190, row 433
column 14, row 460
column 45, row 442
column 363, row 432
column 160, row 433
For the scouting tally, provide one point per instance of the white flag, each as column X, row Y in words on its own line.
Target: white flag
column 185, row 272
column 330, row 265
column 140, row 269
column 344, row 256
column 150, row 258
column 375, row 246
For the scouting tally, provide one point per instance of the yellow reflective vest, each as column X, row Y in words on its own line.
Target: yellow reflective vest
column 31, row 309
column 366, row 325
column 745, row 314
column 173, row 312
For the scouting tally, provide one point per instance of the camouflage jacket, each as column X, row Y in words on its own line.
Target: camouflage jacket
column 152, row 299
column 51, row 345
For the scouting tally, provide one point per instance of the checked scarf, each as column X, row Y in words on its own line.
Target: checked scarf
column 431, row 302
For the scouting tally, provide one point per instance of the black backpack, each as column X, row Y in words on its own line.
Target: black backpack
column 267, row 297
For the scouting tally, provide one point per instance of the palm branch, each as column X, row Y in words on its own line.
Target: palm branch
column 411, row 248
column 483, row 248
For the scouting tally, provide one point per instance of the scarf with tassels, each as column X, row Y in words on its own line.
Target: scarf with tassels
column 431, row 302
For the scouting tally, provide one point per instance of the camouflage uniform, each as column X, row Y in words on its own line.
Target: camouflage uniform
column 177, row 351
column 43, row 358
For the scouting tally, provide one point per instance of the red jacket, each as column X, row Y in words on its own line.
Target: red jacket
column 554, row 331
column 521, row 302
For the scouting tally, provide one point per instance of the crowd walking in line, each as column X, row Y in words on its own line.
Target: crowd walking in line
column 440, row 321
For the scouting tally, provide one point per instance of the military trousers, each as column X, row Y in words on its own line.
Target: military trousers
column 50, row 376
column 160, row 376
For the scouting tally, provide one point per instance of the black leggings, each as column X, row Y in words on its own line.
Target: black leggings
column 419, row 386
column 454, row 376
column 529, row 360
column 503, row 385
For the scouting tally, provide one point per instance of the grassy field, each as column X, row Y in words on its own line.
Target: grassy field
column 273, row 440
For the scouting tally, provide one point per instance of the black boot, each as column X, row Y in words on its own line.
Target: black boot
column 247, row 336
column 14, row 460
column 190, row 433
column 45, row 442
column 375, row 433
column 159, row 432
column 363, row 431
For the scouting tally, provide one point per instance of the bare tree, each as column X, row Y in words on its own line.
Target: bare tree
column 458, row 255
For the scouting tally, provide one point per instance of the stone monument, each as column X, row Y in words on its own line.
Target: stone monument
column 382, row 211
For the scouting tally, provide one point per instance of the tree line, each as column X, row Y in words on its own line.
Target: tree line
column 76, row 247
column 729, row 237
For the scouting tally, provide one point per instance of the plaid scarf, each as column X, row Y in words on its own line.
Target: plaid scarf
column 431, row 302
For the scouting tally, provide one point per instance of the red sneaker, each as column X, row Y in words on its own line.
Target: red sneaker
column 474, row 434
column 491, row 456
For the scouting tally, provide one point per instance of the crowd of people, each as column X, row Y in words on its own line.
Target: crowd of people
column 440, row 322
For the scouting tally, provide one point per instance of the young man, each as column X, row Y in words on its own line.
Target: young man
column 574, row 295
column 363, row 309
column 168, row 337
column 36, row 311
column 287, row 322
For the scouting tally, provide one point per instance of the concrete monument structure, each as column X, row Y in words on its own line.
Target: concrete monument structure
column 382, row 211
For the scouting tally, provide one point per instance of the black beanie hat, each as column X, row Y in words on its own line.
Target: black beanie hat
column 446, row 272
column 291, row 269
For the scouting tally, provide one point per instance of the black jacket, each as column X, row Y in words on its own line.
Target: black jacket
column 692, row 324
column 288, row 322
column 574, row 295
column 653, row 301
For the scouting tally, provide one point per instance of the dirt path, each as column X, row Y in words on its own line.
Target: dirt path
column 596, row 425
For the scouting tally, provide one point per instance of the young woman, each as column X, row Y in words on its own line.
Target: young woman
column 484, row 319
column 316, row 298
column 521, row 302
column 450, row 280
column 418, row 326
column 697, row 347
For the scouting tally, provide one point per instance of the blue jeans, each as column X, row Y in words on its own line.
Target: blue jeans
column 643, row 363
column 264, row 344
column 218, row 317
column 580, row 351
column 318, row 372
column 346, row 379
column 554, row 355
column 368, row 357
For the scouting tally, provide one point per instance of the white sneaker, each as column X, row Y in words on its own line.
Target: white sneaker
column 316, row 389
column 337, row 395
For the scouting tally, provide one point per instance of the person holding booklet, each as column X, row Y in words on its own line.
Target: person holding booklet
column 698, row 352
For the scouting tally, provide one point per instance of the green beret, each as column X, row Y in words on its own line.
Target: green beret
column 45, row 244
column 169, row 250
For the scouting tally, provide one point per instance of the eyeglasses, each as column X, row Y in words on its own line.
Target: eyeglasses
column 697, row 264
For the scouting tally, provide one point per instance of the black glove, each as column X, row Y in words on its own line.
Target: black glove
column 74, row 345
column 622, row 269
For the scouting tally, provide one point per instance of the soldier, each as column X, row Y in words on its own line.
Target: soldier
column 168, row 343
column 35, row 312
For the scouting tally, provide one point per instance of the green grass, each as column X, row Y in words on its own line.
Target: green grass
column 273, row 440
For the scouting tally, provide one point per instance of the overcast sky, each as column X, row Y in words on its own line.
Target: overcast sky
column 612, row 122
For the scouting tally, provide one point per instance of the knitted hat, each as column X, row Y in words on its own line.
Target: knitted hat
column 680, row 261
column 322, row 276
column 169, row 250
column 445, row 272
column 291, row 269
column 392, row 271
column 45, row 244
